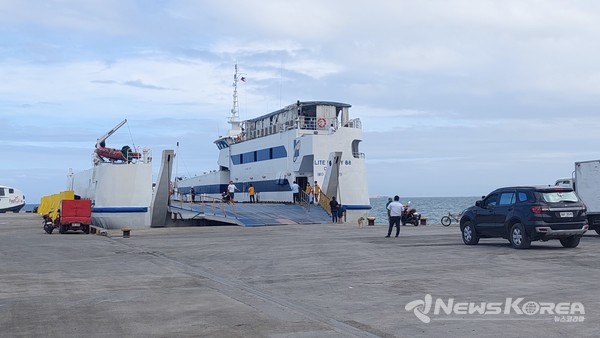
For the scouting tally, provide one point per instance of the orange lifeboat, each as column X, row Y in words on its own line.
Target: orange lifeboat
column 117, row 155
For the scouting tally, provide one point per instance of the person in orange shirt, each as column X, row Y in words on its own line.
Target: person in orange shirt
column 251, row 193
column 308, row 192
column 316, row 191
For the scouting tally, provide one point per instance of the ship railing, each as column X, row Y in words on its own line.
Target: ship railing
column 354, row 123
column 305, row 199
column 316, row 123
column 324, row 202
column 215, row 204
column 223, row 206
column 319, row 124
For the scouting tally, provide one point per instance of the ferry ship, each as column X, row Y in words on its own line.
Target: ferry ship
column 119, row 184
column 11, row 199
column 304, row 142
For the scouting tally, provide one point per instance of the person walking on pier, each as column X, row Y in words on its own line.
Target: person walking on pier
column 231, row 188
column 317, row 191
column 334, row 205
column 308, row 192
column 394, row 214
column 295, row 192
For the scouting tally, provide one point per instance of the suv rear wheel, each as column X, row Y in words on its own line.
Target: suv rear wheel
column 570, row 242
column 518, row 237
column 469, row 234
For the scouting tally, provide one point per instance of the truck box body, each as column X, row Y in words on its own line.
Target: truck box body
column 76, row 211
column 587, row 186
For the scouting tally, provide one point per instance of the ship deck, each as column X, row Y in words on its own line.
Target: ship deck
column 250, row 214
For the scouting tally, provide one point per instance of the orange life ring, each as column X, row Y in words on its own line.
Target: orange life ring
column 321, row 122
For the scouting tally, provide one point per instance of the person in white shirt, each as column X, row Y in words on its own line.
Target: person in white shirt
column 296, row 192
column 394, row 214
column 331, row 129
column 231, row 188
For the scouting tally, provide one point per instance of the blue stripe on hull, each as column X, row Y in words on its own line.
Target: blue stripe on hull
column 120, row 209
column 356, row 206
column 260, row 186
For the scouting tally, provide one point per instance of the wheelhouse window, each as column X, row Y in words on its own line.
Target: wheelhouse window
column 259, row 155
column 263, row 155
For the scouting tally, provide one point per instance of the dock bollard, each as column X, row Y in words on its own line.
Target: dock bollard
column 423, row 220
column 126, row 232
column 371, row 220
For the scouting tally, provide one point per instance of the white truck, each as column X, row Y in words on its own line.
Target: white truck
column 586, row 183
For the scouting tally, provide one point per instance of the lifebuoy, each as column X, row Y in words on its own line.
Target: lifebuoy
column 321, row 122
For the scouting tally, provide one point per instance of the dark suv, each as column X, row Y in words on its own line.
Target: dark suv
column 525, row 214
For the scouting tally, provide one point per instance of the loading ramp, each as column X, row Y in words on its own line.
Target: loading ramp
column 249, row 214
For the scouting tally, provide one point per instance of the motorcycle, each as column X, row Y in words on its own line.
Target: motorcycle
column 410, row 215
column 48, row 224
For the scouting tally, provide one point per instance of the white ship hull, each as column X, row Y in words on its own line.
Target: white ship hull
column 119, row 185
column 11, row 199
column 121, row 194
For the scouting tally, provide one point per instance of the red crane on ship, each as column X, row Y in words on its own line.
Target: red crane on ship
column 112, row 154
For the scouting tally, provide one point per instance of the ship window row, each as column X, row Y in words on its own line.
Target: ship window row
column 259, row 155
column 3, row 191
column 222, row 144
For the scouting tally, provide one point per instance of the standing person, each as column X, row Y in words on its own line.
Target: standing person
column 334, row 205
column 331, row 129
column 193, row 194
column 295, row 192
column 231, row 188
column 394, row 214
column 341, row 211
column 251, row 193
column 317, row 191
column 308, row 192
column 386, row 205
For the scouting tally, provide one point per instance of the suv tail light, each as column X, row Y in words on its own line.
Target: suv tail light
column 537, row 209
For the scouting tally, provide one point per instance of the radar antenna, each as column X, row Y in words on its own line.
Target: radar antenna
column 235, row 113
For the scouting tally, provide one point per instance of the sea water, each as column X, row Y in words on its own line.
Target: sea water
column 29, row 207
column 433, row 208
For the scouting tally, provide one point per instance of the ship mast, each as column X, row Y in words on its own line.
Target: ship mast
column 235, row 113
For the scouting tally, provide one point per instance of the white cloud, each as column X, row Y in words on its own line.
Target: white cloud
column 447, row 90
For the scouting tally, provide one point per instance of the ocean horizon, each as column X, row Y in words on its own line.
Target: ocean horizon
column 433, row 208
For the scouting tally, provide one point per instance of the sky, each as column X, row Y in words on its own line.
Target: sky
column 456, row 97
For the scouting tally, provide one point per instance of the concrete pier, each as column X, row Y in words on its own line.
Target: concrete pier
column 323, row 280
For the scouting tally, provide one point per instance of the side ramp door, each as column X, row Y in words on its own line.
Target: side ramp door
column 332, row 174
